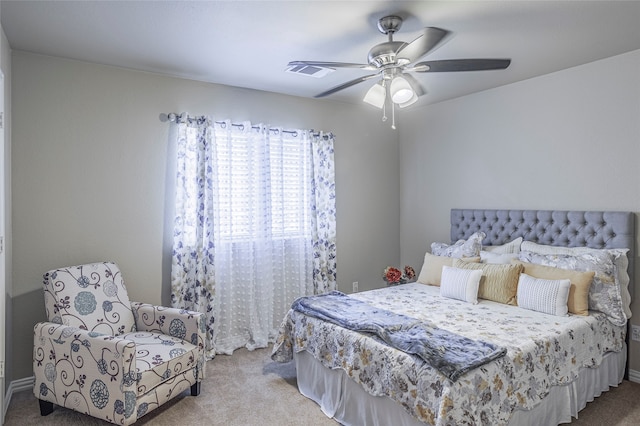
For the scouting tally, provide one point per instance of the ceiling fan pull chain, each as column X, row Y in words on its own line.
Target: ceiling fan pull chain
column 393, row 116
column 384, row 111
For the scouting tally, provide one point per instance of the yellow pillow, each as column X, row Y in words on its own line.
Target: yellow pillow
column 431, row 271
column 578, row 301
column 499, row 282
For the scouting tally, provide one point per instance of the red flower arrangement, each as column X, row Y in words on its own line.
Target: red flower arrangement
column 409, row 272
column 394, row 276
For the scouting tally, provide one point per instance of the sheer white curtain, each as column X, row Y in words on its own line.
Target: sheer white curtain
column 248, row 238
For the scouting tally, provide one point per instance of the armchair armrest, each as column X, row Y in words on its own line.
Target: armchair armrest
column 181, row 323
column 84, row 370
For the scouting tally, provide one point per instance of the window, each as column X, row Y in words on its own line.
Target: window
column 284, row 170
column 254, row 226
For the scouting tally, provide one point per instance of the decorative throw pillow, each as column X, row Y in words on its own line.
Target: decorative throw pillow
column 491, row 257
column 431, row 271
column 621, row 264
column 578, row 302
column 460, row 284
column 510, row 247
column 547, row 296
column 604, row 294
column 498, row 283
column 461, row 248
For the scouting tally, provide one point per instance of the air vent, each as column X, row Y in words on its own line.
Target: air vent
column 309, row 70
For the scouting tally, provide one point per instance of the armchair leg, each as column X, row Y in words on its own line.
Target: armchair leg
column 46, row 407
column 195, row 389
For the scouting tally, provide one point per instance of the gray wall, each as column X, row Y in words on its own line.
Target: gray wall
column 567, row 140
column 91, row 170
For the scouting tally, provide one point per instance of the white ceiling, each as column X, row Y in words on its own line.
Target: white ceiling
column 249, row 43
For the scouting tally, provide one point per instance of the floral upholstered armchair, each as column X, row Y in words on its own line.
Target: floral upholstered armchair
column 107, row 357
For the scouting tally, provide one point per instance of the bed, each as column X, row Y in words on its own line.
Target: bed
column 553, row 364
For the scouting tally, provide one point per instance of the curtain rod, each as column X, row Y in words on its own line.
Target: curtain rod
column 173, row 117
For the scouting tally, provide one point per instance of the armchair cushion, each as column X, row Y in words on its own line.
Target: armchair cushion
column 179, row 323
column 91, row 297
column 160, row 357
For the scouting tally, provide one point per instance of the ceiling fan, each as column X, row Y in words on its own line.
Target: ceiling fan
column 394, row 61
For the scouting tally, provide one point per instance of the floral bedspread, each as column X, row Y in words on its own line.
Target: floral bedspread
column 542, row 351
column 451, row 354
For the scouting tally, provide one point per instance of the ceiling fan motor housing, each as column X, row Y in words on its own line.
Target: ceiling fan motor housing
column 384, row 53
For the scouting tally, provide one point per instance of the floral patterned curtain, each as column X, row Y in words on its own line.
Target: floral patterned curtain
column 254, row 226
column 323, row 221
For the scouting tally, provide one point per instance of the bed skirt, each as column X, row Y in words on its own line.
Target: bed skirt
column 341, row 398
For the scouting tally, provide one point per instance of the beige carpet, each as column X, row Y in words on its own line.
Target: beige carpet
column 247, row 388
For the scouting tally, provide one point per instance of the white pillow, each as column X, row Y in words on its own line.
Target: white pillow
column 461, row 248
column 620, row 259
column 547, row 296
column 461, row 284
column 510, row 247
column 491, row 257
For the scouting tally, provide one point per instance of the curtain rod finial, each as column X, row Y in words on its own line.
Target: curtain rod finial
column 172, row 116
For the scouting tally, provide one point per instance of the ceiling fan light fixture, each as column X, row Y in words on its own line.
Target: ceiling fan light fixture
column 401, row 90
column 376, row 95
column 411, row 101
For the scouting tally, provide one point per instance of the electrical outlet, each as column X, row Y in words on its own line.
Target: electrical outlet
column 635, row 332
column 355, row 286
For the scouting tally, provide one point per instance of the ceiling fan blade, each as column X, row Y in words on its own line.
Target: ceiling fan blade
column 427, row 41
column 331, row 65
column 448, row 65
column 345, row 85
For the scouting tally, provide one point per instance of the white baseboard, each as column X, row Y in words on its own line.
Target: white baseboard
column 17, row 386
column 634, row 376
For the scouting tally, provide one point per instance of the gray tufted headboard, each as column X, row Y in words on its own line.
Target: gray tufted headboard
column 594, row 229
